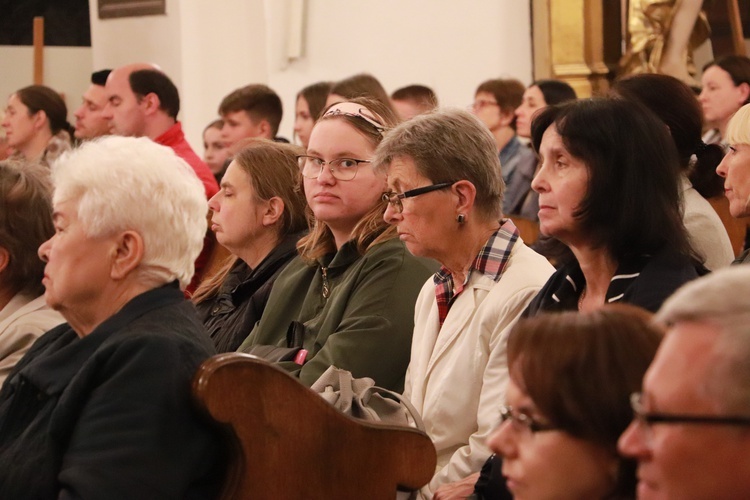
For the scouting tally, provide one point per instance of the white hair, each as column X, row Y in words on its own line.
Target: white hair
column 127, row 183
column 722, row 299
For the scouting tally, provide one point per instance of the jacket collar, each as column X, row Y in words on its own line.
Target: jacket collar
column 53, row 372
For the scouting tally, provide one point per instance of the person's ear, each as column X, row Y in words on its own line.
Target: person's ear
column 127, row 254
column 4, row 259
column 265, row 129
column 507, row 117
column 40, row 120
column 273, row 212
column 744, row 89
column 151, row 103
column 465, row 193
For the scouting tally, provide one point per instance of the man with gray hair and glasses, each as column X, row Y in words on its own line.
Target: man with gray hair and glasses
column 691, row 430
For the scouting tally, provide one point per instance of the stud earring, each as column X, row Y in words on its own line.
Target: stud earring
column 461, row 218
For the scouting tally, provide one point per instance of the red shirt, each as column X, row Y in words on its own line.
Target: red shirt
column 175, row 139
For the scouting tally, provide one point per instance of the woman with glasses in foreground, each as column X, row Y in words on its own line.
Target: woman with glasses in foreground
column 445, row 198
column 348, row 299
column 568, row 401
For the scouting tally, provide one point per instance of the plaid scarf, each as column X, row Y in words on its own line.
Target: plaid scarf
column 490, row 261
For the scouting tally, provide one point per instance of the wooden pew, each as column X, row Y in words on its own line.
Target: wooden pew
column 290, row 443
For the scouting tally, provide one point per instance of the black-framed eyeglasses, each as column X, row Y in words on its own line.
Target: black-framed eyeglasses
column 395, row 198
column 650, row 418
column 343, row 169
column 523, row 421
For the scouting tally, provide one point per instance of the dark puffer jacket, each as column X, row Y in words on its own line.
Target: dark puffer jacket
column 231, row 314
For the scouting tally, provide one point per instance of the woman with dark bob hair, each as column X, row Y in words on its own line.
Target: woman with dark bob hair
column 612, row 199
column 36, row 124
column 682, row 114
column 568, row 401
column 25, row 223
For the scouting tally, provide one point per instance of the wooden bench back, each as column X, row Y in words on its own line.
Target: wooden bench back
column 290, row 443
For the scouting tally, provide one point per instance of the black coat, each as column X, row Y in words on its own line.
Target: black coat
column 645, row 281
column 231, row 314
column 110, row 415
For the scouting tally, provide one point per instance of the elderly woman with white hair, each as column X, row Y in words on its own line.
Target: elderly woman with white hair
column 735, row 169
column 445, row 199
column 100, row 406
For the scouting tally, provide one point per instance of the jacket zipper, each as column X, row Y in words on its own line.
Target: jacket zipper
column 326, row 287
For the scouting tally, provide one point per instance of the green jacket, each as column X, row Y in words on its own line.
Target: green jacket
column 366, row 323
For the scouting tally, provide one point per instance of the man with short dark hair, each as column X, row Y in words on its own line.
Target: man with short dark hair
column 691, row 431
column 90, row 120
column 143, row 102
column 251, row 111
column 495, row 103
column 413, row 100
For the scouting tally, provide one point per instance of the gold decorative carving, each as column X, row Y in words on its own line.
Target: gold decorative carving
column 568, row 44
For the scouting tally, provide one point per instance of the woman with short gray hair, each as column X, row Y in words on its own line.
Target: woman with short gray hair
column 100, row 406
column 445, row 200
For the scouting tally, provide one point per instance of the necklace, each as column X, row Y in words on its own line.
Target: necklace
column 581, row 298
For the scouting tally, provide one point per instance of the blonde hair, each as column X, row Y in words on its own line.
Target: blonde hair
column 738, row 130
column 371, row 228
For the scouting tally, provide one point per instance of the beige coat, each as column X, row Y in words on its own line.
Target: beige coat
column 457, row 375
column 22, row 321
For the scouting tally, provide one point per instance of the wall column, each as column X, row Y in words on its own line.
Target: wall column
column 569, row 43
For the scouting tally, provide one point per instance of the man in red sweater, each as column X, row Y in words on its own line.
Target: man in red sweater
column 143, row 102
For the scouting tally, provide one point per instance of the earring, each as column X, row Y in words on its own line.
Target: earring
column 461, row 218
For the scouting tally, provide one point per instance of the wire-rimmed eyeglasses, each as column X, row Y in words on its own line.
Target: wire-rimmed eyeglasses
column 522, row 421
column 395, row 198
column 650, row 418
column 481, row 104
column 343, row 169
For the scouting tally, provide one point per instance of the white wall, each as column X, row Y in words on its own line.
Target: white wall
column 450, row 46
column 211, row 47
column 66, row 69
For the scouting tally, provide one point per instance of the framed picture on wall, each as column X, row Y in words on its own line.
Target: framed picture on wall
column 131, row 8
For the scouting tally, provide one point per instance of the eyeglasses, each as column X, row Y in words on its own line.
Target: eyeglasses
column 523, row 422
column 650, row 418
column 343, row 169
column 395, row 198
column 355, row 111
column 482, row 103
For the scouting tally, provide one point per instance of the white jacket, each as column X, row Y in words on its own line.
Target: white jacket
column 457, row 375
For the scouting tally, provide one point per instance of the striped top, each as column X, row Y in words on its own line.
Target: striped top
column 645, row 281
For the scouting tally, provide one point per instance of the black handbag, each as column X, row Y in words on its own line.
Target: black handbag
column 295, row 336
